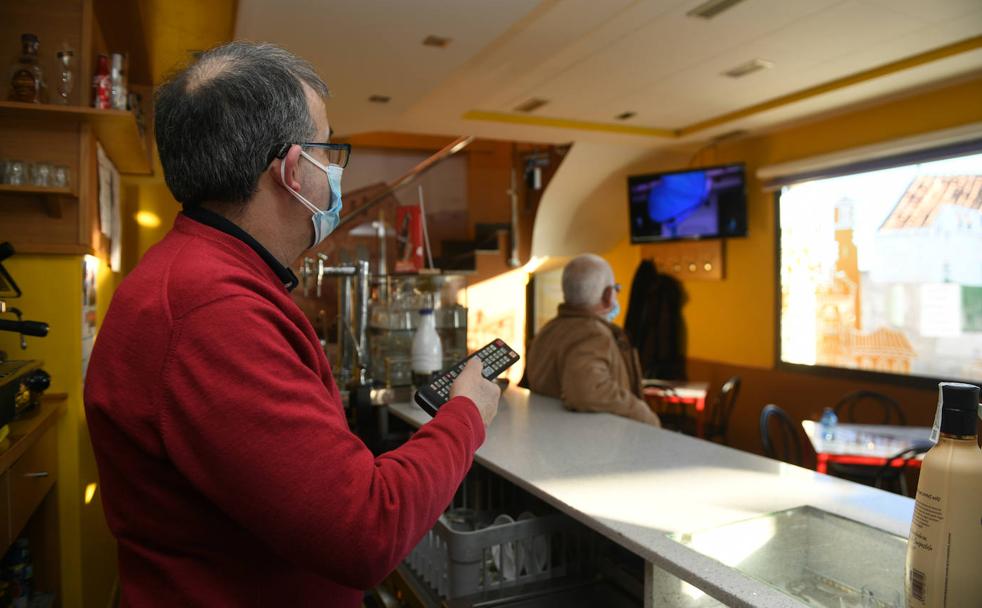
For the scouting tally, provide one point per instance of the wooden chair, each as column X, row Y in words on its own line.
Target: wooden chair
column 719, row 413
column 785, row 443
column 865, row 407
column 671, row 414
column 869, row 407
column 894, row 478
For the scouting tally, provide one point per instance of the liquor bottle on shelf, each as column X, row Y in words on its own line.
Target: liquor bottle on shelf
column 117, row 83
column 66, row 79
column 26, row 77
column 101, row 85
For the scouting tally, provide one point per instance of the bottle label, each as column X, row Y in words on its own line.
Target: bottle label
column 928, row 513
column 928, row 510
column 918, row 585
column 25, row 87
column 101, row 93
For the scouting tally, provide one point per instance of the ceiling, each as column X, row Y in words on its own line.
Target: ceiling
column 594, row 60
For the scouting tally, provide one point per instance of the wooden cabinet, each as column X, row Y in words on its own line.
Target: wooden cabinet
column 28, row 504
column 66, row 220
column 5, row 537
column 30, row 480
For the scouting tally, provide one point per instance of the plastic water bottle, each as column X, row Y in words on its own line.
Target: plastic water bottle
column 427, row 352
column 827, row 424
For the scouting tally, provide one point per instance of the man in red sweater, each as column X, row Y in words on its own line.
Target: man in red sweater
column 229, row 475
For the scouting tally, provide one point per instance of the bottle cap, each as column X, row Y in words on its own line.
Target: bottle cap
column 426, row 311
column 959, row 408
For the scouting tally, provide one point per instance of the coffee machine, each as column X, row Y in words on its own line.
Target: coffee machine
column 21, row 381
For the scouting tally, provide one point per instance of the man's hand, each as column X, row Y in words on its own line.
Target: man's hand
column 471, row 384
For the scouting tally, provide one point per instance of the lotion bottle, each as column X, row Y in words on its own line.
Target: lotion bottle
column 944, row 550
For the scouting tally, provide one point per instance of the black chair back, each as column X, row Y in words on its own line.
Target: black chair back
column 891, row 476
column 869, row 407
column 785, row 443
column 723, row 408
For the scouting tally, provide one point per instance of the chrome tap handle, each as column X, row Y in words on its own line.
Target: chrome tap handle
column 321, row 258
column 305, row 270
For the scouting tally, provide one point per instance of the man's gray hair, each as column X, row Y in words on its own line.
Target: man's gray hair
column 218, row 120
column 584, row 279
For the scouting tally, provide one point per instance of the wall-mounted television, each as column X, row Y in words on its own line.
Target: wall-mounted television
column 705, row 203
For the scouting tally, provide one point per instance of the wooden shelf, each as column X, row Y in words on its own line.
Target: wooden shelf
column 55, row 248
column 28, row 189
column 51, row 197
column 115, row 129
column 24, row 430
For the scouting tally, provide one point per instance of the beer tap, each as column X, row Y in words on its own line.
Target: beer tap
column 321, row 258
column 305, row 270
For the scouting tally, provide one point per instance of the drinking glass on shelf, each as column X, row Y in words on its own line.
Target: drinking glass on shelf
column 41, row 174
column 59, row 176
column 16, row 172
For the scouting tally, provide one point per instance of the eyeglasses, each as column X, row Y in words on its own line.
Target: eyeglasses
column 616, row 287
column 337, row 154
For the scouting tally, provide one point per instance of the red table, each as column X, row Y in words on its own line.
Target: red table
column 864, row 444
column 677, row 391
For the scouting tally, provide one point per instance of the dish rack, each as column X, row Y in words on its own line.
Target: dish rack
column 452, row 561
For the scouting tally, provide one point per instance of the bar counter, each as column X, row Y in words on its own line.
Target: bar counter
column 636, row 484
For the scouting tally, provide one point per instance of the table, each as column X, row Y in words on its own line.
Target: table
column 679, row 391
column 636, row 484
column 864, row 444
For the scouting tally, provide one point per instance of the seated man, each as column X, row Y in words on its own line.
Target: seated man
column 580, row 357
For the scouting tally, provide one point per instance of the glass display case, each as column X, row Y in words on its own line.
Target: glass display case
column 392, row 323
column 816, row 557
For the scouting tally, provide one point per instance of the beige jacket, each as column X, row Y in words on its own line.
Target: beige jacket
column 589, row 364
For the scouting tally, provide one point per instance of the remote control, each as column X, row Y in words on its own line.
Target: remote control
column 496, row 357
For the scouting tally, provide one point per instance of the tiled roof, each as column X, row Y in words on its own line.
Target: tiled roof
column 919, row 205
column 883, row 341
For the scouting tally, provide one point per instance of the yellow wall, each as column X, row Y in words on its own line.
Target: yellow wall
column 52, row 287
column 732, row 321
column 153, row 200
column 623, row 260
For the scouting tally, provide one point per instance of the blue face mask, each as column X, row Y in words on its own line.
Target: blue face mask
column 324, row 220
column 616, row 310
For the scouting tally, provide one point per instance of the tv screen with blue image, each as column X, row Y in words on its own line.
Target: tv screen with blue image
column 694, row 204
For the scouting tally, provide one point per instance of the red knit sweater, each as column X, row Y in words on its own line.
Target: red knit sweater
column 228, row 473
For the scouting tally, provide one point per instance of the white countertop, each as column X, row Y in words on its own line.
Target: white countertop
column 634, row 484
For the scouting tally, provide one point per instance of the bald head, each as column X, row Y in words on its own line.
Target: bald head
column 218, row 120
column 585, row 278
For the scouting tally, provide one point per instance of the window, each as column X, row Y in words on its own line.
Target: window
column 881, row 270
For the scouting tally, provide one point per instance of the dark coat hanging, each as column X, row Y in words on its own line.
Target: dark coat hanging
column 654, row 323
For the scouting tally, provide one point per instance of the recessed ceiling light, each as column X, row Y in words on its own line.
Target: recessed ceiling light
column 754, row 65
column 531, row 105
column 379, row 99
column 439, row 42
column 625, row 115
column 708, row 10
